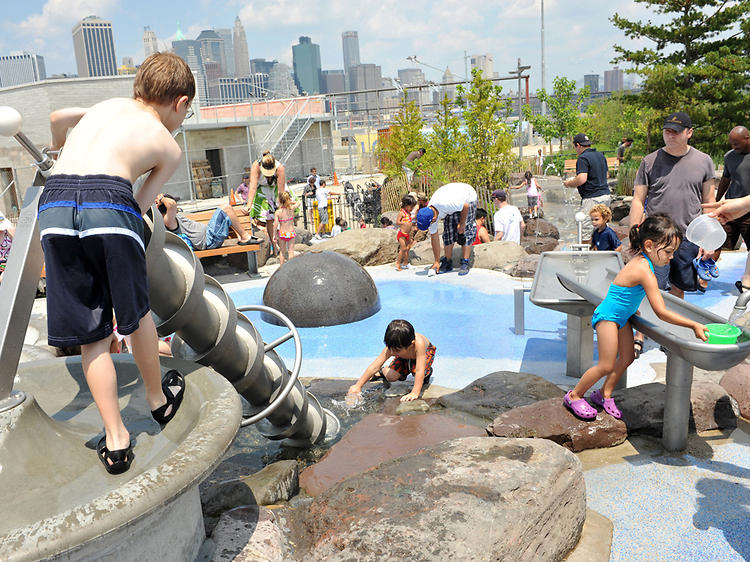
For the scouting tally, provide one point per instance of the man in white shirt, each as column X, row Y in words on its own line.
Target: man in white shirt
column 507, row 220
column 457, row 204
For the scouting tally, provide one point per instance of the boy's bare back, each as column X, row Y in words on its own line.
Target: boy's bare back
column 119, row 137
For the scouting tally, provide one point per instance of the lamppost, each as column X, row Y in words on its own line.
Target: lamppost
column 517, row 72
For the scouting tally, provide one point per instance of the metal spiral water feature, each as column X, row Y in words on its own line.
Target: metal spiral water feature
column 209, row 330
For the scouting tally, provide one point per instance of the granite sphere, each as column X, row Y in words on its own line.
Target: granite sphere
column 321, row 289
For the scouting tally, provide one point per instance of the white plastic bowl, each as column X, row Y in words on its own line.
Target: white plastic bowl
column 706, row 232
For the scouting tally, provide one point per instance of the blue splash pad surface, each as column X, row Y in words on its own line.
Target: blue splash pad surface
column 676, row 508
column 459, row 321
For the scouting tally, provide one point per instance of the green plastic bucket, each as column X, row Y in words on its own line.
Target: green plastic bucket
column 723, row 333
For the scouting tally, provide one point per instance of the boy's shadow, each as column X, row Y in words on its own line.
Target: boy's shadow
column 724, row 505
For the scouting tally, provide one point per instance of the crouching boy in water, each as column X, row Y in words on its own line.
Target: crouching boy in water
column 93, row 239
column 411, row 352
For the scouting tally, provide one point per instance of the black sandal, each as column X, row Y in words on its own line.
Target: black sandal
column 171, row 378
column 116, row 462
column 637, row 348
column 740, row 287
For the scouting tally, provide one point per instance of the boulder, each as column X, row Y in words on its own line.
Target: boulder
column 526, row 266
column 366, row 246
column 642, row 410
column 736, row 381
column 538, row 244
column 620, row 209
column 249, row 534
column 467, row 499
column 496, row 255
column 542, row 228
column 302, row 236
column 493, row 394
column 622, row 232
column 549, row 419
column 321, row 289
column 277, row 482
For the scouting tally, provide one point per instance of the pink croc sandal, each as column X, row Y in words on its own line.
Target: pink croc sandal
column 580, row 408
column 607, row 403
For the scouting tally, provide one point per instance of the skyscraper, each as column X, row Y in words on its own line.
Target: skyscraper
column 449, row 91
column 212, row 48
column 592, row 81
column 21, row 68
column 334, row 81
column 350, row 44
column 365, row 77
column 280, row 82
column 613, row 80
column 150, row 44
column 226, row 34
column 485, row 63
column 307, row 69
column 94, row 47
column 190, row 51
column 241, row 55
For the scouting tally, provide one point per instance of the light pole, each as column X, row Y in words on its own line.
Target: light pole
column 518, row 71
column 544, row 103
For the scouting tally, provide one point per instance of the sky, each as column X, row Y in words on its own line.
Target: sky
column 578, row 35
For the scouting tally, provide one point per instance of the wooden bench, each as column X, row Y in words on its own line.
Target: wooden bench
column 231, row 244
column 612, row 165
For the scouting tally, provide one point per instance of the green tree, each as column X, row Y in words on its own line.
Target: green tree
column 445, row 145
column 698, row 62
column 405, row 136
column 486, row 156
column 563, row 118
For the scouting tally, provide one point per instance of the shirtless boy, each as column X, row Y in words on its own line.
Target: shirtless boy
column 412, row 353
column 93, row 239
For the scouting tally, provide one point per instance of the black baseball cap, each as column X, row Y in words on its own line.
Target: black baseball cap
column 678, row 121
column 581, row 139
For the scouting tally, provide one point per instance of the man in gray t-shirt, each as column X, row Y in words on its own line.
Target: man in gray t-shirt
column 675, row 180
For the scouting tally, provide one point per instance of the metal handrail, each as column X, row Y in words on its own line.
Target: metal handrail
column 297, row 360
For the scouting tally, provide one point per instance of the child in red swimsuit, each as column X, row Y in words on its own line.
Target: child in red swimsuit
column 284, row 228
column 404, row 233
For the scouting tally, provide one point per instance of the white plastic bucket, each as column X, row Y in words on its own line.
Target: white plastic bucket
column 706, row 232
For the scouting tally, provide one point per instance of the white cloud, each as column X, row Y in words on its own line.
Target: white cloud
column 58, row 16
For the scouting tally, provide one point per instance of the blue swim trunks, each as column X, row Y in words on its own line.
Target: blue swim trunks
column 93, row 241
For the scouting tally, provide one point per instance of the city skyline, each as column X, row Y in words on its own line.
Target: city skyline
column 388, row 33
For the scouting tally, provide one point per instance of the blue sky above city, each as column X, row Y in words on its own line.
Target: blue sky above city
column 579, row 35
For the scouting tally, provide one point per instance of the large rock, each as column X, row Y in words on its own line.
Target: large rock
column 539, row 244
column 366, row 246
column 277, row 482
column 549, row 419
column 321, row 289
column 468, row 499
column 642, row 410
column 736, row 381
column 620, row 209
column 541, row 227
column 497, row 255
column 249, row 534
column 526, row 266
column 493, row 394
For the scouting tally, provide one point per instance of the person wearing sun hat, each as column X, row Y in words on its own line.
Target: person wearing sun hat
column 457, row 204
column 267, row 181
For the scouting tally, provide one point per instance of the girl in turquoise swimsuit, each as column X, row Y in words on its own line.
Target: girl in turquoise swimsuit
column 653, row 243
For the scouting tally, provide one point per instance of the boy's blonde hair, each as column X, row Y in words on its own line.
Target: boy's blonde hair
column 285, row 200
column 162, row 78
column 603, row 210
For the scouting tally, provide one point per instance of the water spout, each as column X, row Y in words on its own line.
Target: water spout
column 740, row 307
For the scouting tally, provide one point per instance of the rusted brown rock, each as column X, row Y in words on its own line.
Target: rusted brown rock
column 541, row 228
column 736, row 382
column 642, row 410
column 538, row 244
column 526, row 266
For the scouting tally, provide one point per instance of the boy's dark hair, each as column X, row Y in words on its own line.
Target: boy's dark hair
column 385, row 221
column 399, row 334
column 408, row 200
column 339, row 221
column 480, row 214
column 659, row 228
column 162, row 208
column 422, row 150
column 162, row 78
column 322, row 183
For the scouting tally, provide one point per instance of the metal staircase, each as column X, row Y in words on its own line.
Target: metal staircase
column 288, row 130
